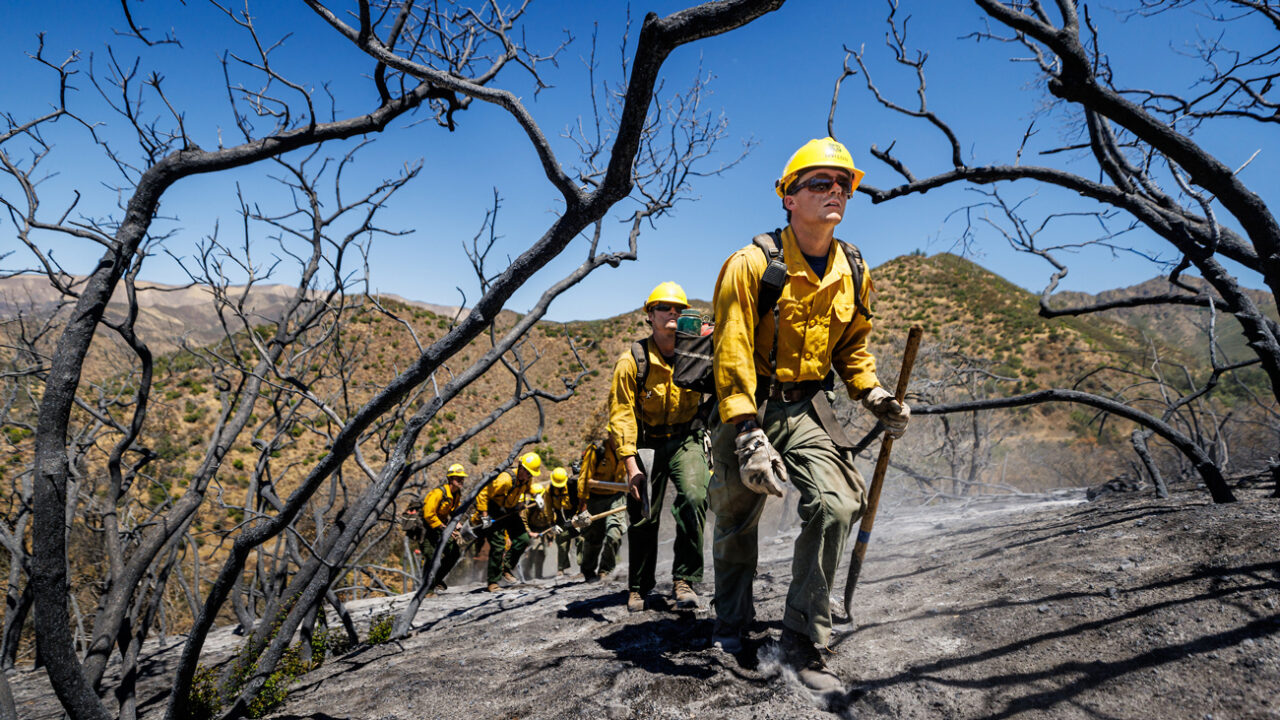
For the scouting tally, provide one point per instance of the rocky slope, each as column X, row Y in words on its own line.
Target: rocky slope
column 1033, row 607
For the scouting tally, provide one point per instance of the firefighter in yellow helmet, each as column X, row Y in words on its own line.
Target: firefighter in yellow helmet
column 647, row 410
column 775, row 424
column 599, row 475
column 562, row 497
column 498, row 508
column 437, row 509
column 538, row 519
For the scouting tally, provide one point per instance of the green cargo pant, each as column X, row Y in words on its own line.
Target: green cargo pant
column 535, row 558
column 448, row 558
column 500, row 558
column 832, row 498
column 566, row 548
column 602, row 538
column 683, row 461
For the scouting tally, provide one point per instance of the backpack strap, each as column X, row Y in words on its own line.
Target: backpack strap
column 775, row 273
column 640, row 353
column 771, row 283
column 857, row 265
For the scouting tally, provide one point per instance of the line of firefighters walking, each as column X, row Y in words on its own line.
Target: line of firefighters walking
column 522, row 509
column 791, row 322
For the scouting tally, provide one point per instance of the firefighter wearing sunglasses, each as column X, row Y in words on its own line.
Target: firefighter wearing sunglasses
column 647, row 410
column 774, row 424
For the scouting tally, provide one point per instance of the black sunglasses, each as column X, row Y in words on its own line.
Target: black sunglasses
column 822, row 185
column 663, row 307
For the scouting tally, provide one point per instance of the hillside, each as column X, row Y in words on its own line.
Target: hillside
column 972, row 318
column 977, row 325
column 1175, row 327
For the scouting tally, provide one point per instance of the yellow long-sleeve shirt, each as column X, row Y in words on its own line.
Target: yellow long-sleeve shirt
column 603, row 465
column 438, row 507
column 504, row 492
column 538, row 518
column 661, row 403
column 819, row 326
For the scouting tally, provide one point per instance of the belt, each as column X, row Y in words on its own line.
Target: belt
column 806, row 391
column 666, row 431
column 785, row 391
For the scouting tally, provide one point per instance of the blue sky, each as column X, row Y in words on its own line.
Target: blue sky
column 773, row 80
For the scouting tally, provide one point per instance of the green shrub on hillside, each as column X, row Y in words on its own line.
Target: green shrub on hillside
column 380, row 628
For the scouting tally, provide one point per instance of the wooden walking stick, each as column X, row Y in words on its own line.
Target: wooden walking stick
column 877, row 480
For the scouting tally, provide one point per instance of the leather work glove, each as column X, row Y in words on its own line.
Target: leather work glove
column 887, row 410
column 551, row 532
column 760, row 465
column 581, row 520
column 636, row 486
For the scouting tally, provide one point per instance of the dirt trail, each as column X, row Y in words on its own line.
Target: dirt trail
column 1125, row 607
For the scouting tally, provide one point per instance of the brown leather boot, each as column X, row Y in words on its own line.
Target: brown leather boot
column 493, row 587
column 635, row 601
column 684, row 594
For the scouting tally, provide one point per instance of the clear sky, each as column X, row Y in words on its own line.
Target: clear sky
column 772, row 79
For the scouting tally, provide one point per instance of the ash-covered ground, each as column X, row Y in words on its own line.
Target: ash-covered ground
column 1036, row 607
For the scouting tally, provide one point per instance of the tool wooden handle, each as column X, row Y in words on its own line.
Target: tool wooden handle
column 607, row 513
column 877, row 479
column 607, row 486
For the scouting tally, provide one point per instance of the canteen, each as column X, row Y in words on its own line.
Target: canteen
column 690, row 322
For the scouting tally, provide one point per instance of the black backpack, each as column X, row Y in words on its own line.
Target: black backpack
column 414, row 527
column 695, row 353
column 640, row 353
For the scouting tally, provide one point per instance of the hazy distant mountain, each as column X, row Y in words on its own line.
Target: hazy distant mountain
column 167, row 313
column 1175, row 326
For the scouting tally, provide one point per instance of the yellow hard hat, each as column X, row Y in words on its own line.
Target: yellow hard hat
column 817, row 153
column 667, row 292
column 537, row 488
column 456, row 470
column 559, row 478
column 532, row 463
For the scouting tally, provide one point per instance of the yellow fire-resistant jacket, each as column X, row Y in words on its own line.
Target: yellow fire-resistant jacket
column 820, row 327
column 438, row 507
column 662, row 403
column 503, row 492
column 558, row 499
column 537, row 519
column 603, row 465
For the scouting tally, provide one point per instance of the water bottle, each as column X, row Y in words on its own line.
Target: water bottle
column 689, row 322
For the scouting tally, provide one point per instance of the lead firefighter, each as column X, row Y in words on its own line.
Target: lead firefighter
column 779, row 359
